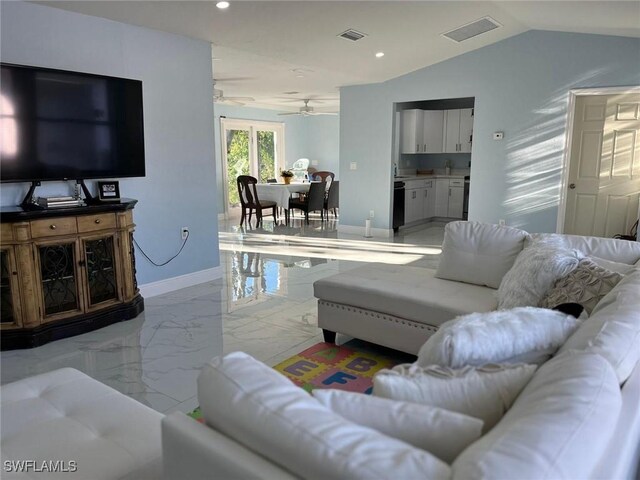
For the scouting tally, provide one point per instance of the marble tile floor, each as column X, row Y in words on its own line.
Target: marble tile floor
column 262, row 305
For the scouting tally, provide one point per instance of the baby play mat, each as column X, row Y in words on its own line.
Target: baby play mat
column 347, row 367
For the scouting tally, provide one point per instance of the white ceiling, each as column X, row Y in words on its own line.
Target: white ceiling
column 257, row 45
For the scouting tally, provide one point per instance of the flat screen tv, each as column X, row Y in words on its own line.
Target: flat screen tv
column 60, row 125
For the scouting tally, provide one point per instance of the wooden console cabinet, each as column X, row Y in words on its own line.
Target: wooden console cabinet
column 65, row 271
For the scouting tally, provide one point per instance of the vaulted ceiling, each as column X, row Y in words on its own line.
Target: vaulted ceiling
column 268, row 49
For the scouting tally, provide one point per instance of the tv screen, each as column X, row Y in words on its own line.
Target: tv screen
column 58, row 125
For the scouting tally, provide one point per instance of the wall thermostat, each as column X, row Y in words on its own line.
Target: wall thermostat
column 498, row 135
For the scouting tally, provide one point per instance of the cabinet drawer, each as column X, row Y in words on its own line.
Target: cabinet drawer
column 428, row 183
column 6, row 233
column 456, row 183
column 91, row 223
column 53, row 227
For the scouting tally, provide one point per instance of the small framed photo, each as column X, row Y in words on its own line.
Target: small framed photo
column 109, row 191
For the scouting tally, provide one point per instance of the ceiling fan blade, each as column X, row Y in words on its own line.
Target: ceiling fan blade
column 241, row 99
column 290, row 113
column 323, row 113
column 233, row 102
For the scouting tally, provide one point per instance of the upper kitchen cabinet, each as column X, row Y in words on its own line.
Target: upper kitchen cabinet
column 422, row 131
column 458, row 130
column 433, row 127
column 412, row 131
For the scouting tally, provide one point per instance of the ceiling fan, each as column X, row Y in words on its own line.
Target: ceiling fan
column 307, row 110
column 218, row 97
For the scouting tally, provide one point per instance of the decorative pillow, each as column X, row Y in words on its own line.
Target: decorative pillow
column 479, row 253
column 586, row 285
column 436, row 430
column 524, row 334
column 533, row 274
column 484, row 392
column 621, row 268
column 255, row 405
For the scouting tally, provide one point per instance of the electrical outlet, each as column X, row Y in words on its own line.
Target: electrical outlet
column 371, row 213
column 184, row 231
column 502, row 222
column 353, row 166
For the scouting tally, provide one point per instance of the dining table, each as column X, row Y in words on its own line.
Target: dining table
column 281, row 193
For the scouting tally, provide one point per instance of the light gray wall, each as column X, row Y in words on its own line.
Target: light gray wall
column 315, row 138
column 520, row 87
column 179, row 188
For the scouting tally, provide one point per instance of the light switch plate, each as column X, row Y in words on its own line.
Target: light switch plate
column 314, row 162
column 353, row 166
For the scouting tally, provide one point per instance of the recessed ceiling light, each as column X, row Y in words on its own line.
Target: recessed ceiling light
column 380, row 54
column 222, row 5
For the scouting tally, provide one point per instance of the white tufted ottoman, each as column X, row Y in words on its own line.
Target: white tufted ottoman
column 65, row 421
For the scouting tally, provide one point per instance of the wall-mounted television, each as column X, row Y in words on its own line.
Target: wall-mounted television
column 60, row 125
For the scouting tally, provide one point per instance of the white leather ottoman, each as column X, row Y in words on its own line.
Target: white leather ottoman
column 67, row 416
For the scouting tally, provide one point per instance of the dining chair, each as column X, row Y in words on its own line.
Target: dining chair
column 249, row 200
column 333, row 198
column 322, row 176
column 314, row 201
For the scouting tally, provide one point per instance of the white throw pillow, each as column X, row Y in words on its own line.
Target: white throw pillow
column 503, row 336
column 613, row 330
column 441, row 432
column 479, row 253
column 484, row 392
column 621, row 268
column 558, row 428
column 261, row 409
column 533, row 274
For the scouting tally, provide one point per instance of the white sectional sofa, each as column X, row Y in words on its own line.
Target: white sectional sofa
column 578, row 417
column 401, row 306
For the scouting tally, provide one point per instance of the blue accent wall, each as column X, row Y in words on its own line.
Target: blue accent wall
column 180, row 185
column 521, row 87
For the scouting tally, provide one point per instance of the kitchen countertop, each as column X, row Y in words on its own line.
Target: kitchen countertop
column 406, row 178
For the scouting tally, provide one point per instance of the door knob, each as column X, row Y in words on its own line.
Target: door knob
column 572, row 186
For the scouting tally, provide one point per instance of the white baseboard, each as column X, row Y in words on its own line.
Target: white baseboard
column 167, row 285
column 357, row 230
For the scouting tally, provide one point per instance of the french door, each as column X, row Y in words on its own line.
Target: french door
column 250, row 148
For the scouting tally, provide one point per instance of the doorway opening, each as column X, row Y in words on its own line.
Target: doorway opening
column 600, row 193
column 249, row 148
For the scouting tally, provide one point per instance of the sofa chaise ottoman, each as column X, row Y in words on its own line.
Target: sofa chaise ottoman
column 64, row 424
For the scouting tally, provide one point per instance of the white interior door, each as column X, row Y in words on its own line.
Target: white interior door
column 604, row 171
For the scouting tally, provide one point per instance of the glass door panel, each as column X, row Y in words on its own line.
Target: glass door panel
column 237, row 145
column 6, row 300
column 101, row 273
column 59, row 282
column 267, row 155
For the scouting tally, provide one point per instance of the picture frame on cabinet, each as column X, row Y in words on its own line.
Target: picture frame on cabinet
column 109, row 191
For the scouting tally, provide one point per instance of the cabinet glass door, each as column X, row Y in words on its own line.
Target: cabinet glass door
column 6, row 292
column 100, row 267
column 59, row 282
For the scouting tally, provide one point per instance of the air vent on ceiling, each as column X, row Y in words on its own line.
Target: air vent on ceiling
column 352, row 35
column 472, row 29
column 291, row 93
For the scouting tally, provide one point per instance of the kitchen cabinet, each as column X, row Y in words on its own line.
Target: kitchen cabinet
column 456, row 199
column 458, row 130
column 442, row 197
column 433, row 123
column 412, row 131
column 429, row 199
column 422, row 131
column 413, row 205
